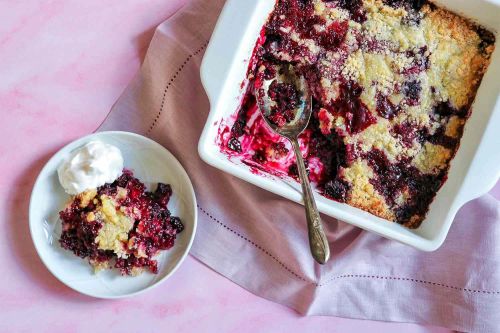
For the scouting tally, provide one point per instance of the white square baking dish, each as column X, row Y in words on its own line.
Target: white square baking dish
column 473, row 172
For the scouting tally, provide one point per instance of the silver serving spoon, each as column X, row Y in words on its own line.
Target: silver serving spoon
column 318, row 243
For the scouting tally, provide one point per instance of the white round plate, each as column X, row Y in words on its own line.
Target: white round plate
column 151, row 163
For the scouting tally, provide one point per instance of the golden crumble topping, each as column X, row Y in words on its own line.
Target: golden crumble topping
column 363, row 194
column 432, row 158
column 86, row 197
column 115, row 226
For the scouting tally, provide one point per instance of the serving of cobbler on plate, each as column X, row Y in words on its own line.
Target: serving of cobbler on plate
column 393, row 82
column 121, row 225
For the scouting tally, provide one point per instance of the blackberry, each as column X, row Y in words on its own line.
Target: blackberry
column 234, row 145
column 337, row 189
column 412, row 89
column 176, row 223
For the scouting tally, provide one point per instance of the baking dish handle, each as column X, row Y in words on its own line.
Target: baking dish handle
column 484, row 170
column 222, row 48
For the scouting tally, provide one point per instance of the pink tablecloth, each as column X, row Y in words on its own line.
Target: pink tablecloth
column 62, row 65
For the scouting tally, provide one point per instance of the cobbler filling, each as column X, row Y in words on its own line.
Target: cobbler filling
column 285, row 98
column 392, row 83
column 120, row 223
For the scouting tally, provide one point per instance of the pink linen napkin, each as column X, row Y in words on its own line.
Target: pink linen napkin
column 259, row 240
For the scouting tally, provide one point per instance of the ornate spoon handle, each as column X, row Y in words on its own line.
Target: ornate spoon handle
column 320, row 249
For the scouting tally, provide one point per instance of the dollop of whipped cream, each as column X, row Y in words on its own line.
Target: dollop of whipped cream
column 90, row 166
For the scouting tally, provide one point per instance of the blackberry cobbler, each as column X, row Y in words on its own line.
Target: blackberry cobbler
column 120, row 224
column 392, row 83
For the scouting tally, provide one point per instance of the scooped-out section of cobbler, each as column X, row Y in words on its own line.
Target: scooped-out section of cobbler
column 120, row 225
column 392, row 82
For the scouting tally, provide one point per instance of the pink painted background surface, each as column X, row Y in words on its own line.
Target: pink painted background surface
column 62, row 65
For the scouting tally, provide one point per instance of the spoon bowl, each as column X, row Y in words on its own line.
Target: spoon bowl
column 303, row 111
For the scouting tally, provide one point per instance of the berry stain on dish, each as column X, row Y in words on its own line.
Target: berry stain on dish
column 111, row 219
column 390, row 100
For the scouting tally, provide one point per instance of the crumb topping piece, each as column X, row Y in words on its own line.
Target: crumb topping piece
column 115, row 227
